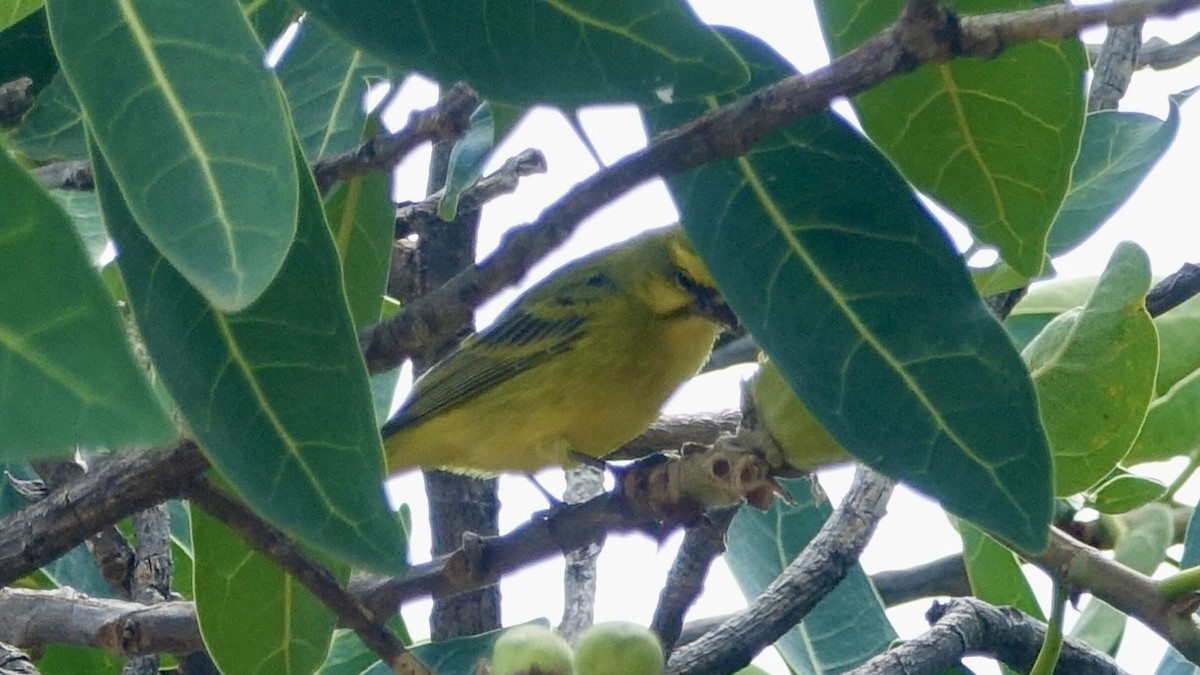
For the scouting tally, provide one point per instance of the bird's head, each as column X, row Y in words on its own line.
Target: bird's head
column 682, row 283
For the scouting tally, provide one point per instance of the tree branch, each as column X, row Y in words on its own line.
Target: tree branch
column 730, row 131
column 446, row 121
column 701, row 545
column 1080, row 566
column 969, row 626
column 808, row 579
column 64, row 616
column 283, row 551
column 14, row 100
column 127, row 483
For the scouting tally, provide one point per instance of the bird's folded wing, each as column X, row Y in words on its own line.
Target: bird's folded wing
column 518, row 342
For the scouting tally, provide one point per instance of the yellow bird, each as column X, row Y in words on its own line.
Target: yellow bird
column 580, row 363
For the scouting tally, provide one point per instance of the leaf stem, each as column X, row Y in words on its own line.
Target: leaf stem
column 1047, row 658
column 1192, row 465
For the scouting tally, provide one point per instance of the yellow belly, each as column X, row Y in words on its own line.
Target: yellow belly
column 589, row 399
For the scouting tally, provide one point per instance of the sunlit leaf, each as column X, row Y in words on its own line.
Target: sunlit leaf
column 12, row 11
column 1094, row 370
column 993, row 139
column 1126, row 492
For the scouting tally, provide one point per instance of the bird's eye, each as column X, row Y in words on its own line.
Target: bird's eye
column 685, row 282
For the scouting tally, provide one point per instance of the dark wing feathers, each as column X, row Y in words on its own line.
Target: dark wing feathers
column 517, row 342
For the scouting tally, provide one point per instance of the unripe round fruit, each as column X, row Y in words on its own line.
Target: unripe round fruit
column 618, row 648
column 532, row 649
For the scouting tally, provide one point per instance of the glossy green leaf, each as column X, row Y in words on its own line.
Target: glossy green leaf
column 269, row 18
column 845, row 629
column 13, row 11
column 56, row 389
column 1172, row 427
column 993, row 140
column 1117, row 153
column 184, row 144
column 465, row 165
column 869, row 313
column 276, row 394
column 254, row 617
column 362, row 218
column 1179, row 334
column 1126, row 492
column 25, row 51
column 995, row 572
column 1142, row 547
column 1094, row 370
column 326, row 81
column 526, row 51
column 53, row 128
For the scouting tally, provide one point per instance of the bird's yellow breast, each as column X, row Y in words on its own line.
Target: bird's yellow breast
column 590, row 399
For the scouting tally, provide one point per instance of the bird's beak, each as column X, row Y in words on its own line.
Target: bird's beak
column 709, row 304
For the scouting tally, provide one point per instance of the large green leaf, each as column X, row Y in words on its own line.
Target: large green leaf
column 992, row 140
column 66, row 371
column 13, row 11
column 326, row 81
column 255, row 618
column 195, row 130
column 870, row 314
column 1179, row 334
column 845, row 629
column 269, row 18
column 1117, row 153
column 84, row 211
column 53, row 128
column 276, row 394
column 1172, row 426
column 1094, row 370
column 1142, row 547
column 563, row 52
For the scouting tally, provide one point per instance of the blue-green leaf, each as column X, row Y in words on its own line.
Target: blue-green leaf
column 869, row 313
column 187, row 115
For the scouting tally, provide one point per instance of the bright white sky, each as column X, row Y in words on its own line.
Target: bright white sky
column 1161, row 217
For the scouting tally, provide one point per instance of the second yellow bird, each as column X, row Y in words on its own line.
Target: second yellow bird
column 580, row 363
